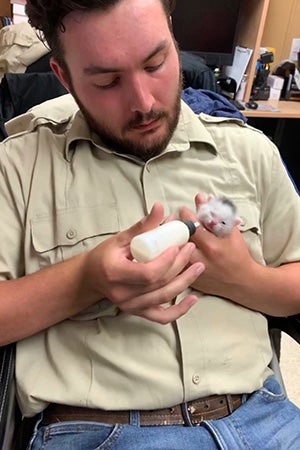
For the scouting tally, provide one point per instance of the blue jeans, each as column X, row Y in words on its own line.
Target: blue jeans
column 267, row 421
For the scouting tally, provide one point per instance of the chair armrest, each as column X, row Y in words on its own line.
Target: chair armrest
column 289, row 325
column 7, row 366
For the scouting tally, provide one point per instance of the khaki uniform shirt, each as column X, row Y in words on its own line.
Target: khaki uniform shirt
column 62, row 192
column 20, row 46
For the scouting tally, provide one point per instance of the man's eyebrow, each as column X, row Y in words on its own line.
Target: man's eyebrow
column 94, row 70
column 158, row 49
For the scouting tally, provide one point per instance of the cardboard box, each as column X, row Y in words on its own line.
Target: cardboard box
column 19, row 12
column 274, row 94
column 19, row 2
column 275, row 82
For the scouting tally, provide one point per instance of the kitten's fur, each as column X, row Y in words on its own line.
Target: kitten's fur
column 218, row 215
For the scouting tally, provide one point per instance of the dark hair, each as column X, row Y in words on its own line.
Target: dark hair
column 47, row 16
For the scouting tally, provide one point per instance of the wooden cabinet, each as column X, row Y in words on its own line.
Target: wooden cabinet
column 282, row 25
column 268, row 23
column 5, row 8
column 250, row 32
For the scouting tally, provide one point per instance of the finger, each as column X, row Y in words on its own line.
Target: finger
column 158, row 272
column 169, row 218
column 164, row 315
column 186, row 214
column 133, row 279
column 152, row 220
column 179, row 263
column 199, row 199
column 165, row 293
column 202, row 234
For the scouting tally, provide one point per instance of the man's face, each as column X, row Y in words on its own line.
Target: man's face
column 123, row 71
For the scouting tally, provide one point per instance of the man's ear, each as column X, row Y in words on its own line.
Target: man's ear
column 59, row 72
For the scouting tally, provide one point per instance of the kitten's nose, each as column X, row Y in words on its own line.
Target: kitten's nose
column 212, row 223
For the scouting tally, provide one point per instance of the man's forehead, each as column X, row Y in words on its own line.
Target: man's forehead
column 80, row 17
column 111, row 37
column 95, row 69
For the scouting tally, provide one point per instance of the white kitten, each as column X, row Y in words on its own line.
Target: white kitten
column 218, row 215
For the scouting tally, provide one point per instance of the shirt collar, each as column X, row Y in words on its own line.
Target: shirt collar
column 79, row 131
column 189, row 129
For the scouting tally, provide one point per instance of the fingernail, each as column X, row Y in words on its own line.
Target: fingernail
column 190, row 246
column 200, row 268
column 192, row 301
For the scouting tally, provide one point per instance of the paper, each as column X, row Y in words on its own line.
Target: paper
column 297, row 78
column 295, row 48
column 264, row 107
column 241, row 60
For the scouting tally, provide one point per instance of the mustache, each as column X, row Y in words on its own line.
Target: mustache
column 141, row 118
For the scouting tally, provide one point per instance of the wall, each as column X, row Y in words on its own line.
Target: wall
column 282, row 25
column 5, row 8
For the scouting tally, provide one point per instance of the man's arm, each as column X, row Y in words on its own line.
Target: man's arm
column 37, row 301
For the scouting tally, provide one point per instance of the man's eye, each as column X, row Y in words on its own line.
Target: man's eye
column 154, row 68
column 108, row 85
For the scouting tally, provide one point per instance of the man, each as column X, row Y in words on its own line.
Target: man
column 118, row 354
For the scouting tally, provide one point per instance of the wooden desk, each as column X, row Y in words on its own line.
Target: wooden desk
column 286, row 110
column 283, row 125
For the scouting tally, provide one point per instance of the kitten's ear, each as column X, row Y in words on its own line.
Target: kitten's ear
column 237, row 221
column 210, row 197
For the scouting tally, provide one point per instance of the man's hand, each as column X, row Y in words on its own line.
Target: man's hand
column 143, row 289
column 227, row 260
column 231, row 272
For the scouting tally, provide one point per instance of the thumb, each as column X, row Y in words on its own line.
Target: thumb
column 187, row 214
column 199, row 200
column 152, row 220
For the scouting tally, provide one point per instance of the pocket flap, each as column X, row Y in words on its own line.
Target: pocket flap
column 71, row 226
column 249, row 213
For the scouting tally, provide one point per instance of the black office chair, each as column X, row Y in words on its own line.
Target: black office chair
column 10, row 416
column 7, row 404
column 9, row 413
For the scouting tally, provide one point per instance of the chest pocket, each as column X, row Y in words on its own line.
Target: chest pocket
column 250, row 227
column 70, row 232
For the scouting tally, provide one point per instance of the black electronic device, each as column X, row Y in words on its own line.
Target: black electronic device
column 260, row 88
column 287, row 70
column 260, row 92
column 251, row 104
column 237, row 104
column 227, row 88
column 208, row 28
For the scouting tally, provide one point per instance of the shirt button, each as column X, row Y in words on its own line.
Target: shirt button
column 71, row 233
column 196, row 378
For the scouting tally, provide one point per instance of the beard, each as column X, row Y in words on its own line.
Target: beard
column 127, row 146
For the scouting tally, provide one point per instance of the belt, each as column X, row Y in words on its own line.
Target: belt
column 189, row 413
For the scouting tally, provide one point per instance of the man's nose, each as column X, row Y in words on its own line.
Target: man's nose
column 139, row 94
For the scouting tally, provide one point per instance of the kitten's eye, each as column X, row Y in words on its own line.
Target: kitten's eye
column 223, row 222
